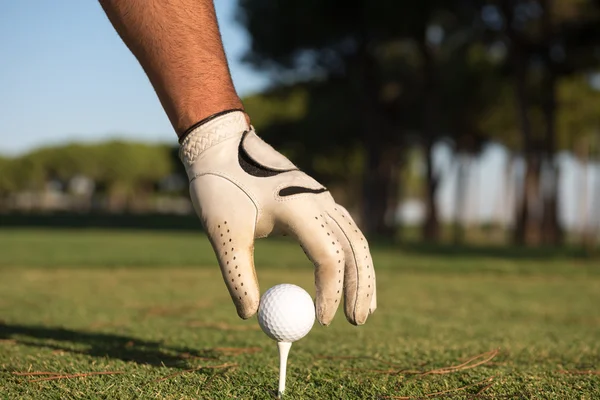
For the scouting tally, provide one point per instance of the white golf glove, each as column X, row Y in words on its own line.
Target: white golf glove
column 242, row 189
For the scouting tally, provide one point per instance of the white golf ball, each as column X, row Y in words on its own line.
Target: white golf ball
column 286, row 313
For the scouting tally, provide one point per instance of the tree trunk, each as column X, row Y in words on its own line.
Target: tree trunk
column 431, row 225
column 460, row 200
column 527, row 227
column 474, row 218
column 520, row 78
column 381, row 183
column 380, row 180
column 596, row 200
column 394, row 193
column 507, row 198
column 596, row 208
column 553, row 233
column 583, row 202
column 552, row 230
column 526, row 224
column 584, row 192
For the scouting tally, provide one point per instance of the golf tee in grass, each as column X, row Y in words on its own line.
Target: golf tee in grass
column 284, row 350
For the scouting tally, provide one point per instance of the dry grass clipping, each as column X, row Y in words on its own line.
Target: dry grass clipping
column 489, row 381
column 55, row 376
column 472, row 362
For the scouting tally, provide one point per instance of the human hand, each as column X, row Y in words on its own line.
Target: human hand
column 242, row 189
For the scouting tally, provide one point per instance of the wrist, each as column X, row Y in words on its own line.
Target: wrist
column 211, row 131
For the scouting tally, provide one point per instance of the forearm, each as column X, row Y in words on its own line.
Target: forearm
column 179, row 47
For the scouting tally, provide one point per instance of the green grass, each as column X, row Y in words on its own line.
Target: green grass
column 153, row 306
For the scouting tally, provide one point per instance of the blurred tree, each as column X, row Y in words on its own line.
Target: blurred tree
column 578, row 127
column 383, row 57
column 471, row 83
column 7, row 185
column 130, row 169
column 283, row 116
column 27, row 173
column 544, row 43
column 516, row 25
column 353, row 93
column 127, row 171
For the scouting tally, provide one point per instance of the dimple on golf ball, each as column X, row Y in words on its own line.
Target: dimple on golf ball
column 286, row 313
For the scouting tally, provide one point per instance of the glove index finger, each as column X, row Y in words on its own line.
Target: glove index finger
column 229, row 219
column 235, row 254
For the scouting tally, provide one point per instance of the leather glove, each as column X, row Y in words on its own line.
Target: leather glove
column 242, row 189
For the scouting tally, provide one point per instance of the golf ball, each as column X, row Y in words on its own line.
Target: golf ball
column 286, row 313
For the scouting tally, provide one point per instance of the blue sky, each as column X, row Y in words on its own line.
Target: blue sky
column 65, row 75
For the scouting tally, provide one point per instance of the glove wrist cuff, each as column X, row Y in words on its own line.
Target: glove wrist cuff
column 210, row 132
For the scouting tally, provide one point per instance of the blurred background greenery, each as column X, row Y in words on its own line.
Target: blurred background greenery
column 363, row 95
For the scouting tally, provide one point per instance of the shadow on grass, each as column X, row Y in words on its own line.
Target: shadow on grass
column 120, row 347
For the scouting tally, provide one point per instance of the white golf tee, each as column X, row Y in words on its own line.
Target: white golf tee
column 284, row 350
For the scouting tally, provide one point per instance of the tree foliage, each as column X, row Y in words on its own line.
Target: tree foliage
column 116, row 165
column 406, row 75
